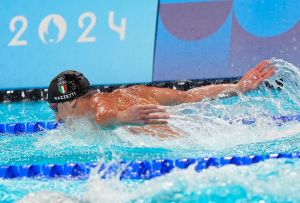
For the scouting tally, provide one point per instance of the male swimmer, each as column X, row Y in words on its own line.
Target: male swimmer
column 69, row 95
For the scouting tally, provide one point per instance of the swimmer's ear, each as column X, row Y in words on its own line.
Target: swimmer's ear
column 73, row 103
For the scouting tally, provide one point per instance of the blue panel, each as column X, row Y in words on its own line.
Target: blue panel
column 108, row 59
column 267, row 18
column 206, row 58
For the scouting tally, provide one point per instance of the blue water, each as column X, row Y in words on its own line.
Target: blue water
column 207, row 128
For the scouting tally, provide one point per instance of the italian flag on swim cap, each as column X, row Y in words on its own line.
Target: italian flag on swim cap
column 62, row 89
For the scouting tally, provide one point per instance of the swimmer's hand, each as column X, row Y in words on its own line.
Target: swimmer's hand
column 144, row 114
column 253, row 78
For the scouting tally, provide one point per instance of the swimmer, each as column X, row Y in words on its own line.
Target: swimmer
column 70, row 96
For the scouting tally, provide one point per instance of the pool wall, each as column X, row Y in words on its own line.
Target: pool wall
column 134, row 41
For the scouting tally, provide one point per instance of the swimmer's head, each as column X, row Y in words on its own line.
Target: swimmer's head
column 65, row 88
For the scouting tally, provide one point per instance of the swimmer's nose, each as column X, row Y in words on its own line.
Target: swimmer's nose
column 58, row 119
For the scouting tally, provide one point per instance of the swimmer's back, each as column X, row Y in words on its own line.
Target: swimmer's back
column 124, row 98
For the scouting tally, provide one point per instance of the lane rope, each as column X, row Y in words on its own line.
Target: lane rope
column 134, row 170
column 29, row 127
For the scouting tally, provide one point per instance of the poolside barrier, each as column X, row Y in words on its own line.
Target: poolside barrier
column 135, row 170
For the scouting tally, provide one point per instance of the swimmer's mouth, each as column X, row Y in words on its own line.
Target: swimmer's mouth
column 55, row 109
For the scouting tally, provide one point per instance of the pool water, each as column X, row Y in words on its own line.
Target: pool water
column 207, row 128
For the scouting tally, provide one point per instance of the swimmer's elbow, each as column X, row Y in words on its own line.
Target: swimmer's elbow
column 185, row 97
column 104, row 122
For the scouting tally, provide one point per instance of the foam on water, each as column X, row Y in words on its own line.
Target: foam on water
column 270, row 181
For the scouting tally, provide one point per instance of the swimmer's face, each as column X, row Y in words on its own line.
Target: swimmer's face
column 65, row 110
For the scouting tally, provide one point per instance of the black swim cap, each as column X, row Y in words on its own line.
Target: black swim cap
column 67, row 86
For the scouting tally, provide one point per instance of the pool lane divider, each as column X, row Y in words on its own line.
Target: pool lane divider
column 35, row 127
column 30, row 127
column 135, row 170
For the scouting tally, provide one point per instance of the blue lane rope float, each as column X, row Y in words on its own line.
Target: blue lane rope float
column 30, row 127
column 35, row 127
column 134, row 170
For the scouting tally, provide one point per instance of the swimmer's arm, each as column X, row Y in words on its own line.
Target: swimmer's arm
column 251, row 80
column 166, row 96
column 108, row 115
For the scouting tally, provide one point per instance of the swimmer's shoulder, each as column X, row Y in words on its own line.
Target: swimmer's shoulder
column 99, row 96
column 101, row 105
